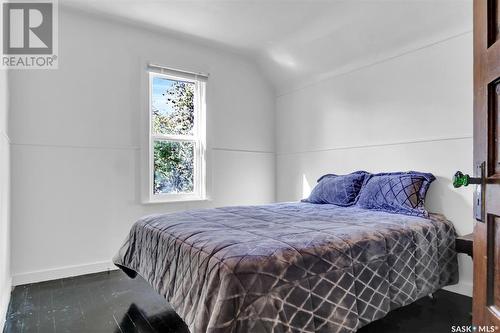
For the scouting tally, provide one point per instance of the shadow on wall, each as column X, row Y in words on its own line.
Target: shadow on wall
column 444, row 198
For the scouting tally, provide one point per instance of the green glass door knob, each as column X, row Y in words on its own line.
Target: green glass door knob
column 459, row 179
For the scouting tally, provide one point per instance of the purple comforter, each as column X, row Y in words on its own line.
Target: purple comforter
column 291, row 267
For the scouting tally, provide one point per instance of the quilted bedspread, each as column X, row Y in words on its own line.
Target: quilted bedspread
column 290, row 267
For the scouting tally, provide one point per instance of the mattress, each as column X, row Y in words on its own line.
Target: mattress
column 289, row 267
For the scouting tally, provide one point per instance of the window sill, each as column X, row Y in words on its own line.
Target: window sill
column 161, row 200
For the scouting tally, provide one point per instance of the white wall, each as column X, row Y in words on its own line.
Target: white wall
column 75, row 137
column 5, row 276
column 411, row 112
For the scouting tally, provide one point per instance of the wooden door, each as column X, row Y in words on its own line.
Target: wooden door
column 486, row 302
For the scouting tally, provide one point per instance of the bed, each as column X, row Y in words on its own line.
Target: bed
column 289, row 267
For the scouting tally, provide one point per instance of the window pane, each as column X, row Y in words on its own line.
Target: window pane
column 172, row 106
column 173, row 167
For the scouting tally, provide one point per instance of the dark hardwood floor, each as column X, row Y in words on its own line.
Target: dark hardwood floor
column 111, row 302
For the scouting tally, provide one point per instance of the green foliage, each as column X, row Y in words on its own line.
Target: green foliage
column 173, row 161
column 180, row 98
column 173, row 165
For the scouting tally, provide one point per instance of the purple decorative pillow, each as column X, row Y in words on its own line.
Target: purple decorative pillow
column 337, row 190
column 398, row 192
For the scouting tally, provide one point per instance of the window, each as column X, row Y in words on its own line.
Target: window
column 176, row 135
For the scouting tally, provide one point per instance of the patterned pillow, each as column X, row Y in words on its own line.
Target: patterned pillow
column 337, row 190
column 398, row 192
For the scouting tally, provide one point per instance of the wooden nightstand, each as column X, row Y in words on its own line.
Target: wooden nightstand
column 464, row 244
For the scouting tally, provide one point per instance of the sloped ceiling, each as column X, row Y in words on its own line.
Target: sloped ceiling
column 297, row 42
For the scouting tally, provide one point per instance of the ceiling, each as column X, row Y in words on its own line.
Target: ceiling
column 301, row 41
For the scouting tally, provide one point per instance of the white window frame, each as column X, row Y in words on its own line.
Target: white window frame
column 198, row 138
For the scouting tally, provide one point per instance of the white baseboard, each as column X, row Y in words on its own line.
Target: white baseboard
column 4, row 302
column 61, row 272
column 463, row 287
